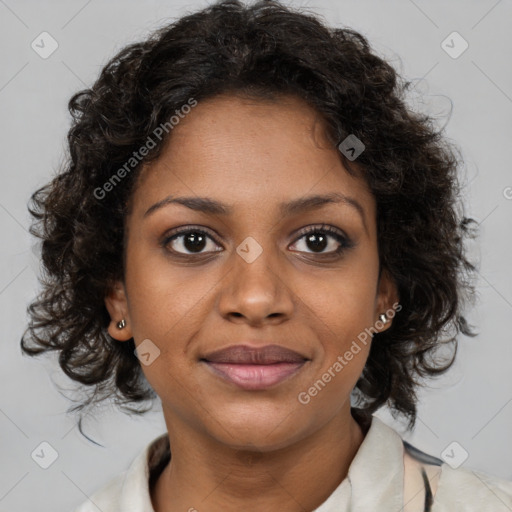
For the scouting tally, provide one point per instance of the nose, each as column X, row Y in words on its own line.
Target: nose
column 256, row 292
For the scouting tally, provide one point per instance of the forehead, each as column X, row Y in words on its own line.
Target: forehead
column 250, row 152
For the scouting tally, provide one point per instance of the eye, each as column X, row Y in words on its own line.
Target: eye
column 190, row 239
column 319, row 238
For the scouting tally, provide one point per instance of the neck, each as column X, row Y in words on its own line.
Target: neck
column 206, row 475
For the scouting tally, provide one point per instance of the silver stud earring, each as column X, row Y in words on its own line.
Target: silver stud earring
column 383, row 318
column 121, row 324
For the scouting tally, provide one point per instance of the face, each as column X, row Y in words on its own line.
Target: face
column 242, row 268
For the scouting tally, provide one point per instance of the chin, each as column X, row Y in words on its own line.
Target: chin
column 256, row 430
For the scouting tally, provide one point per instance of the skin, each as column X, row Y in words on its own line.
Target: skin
column 232, row 446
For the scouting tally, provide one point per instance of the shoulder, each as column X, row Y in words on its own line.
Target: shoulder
column 130, row 490
column 468, row 490
column 445, row 489
column 106, row 499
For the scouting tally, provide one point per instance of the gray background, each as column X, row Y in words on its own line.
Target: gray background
column 470, row 405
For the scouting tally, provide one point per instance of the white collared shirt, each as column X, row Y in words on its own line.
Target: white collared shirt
column 375, row 482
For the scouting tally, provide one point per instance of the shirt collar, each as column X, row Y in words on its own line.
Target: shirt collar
column 374, row 481
column 375, row 477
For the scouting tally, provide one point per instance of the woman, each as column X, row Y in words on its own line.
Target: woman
column 254, row 228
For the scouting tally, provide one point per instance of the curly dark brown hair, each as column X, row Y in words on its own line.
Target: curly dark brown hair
column 259, row 51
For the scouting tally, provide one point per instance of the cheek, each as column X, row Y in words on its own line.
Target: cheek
column 343, row 305
column 162, row 296
column 342, row 310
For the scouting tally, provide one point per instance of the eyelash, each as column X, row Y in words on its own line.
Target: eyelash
column 345, row 242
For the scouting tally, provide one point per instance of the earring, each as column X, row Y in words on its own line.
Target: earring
column 383, row 318
column 121, row 324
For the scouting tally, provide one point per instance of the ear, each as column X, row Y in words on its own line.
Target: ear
column 387, row 300
column 117, row 306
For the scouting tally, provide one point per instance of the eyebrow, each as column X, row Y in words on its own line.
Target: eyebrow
column 211, row 206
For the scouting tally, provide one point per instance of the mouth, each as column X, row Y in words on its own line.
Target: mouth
column 254, row 368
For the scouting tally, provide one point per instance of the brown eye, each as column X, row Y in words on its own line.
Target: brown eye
column 190, row 241
column 318, row 239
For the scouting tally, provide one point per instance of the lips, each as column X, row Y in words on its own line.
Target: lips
column 243, row 354
column 254, row 368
